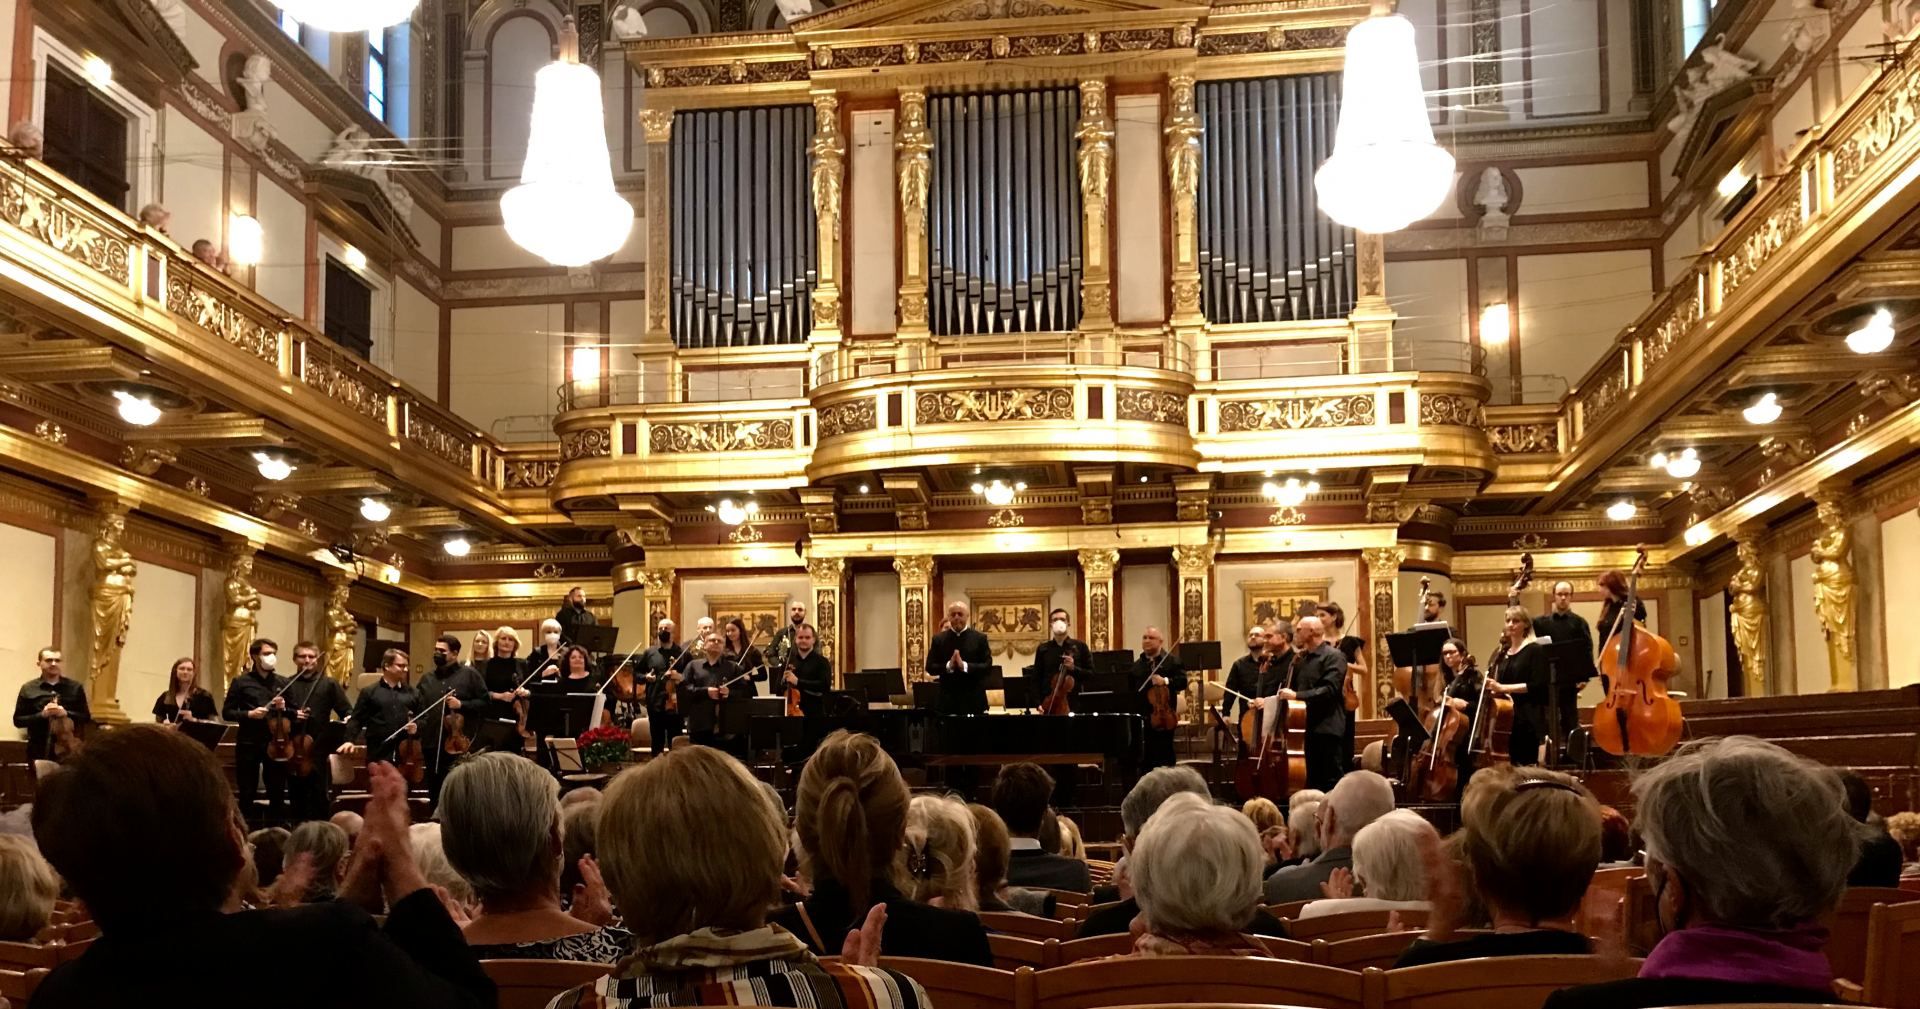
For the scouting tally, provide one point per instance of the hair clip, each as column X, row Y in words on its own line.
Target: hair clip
column 1545, row 783
column 918, row 865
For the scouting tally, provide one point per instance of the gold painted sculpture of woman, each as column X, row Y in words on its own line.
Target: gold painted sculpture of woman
column 111, row 608
column 1747, row 616
column 1833, row 591
column 242, row 616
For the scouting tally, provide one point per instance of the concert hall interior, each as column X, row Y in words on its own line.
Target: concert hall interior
column 883, row 334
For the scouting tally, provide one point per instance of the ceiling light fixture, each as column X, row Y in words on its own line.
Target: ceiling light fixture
column 1696, row 535
column 565, row 209
column 864, row 489
column 375, row 510
column 1291, row 494
column 733, row 512
column 137, row 410
column 1683, row 466
column 272, row 467
column 98, row 71
column 246, row 242
column 348, row 15
column 998, row 493
column 1386, row 172
column 1495, row 325
column 1874, row 336
column 457, row 546
column 354, row 258
column 1764, row 410
column 1622, row 510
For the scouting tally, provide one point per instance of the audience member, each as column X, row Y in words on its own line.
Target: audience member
column 1904, row 828
column 584, row 796
column 1263, row 813
column 1531, row 839
column 1747, row 847
column 1388, row 868
column 429, row 852
column 1878, row 861
column 1616, row 839
column 1072, row 845
column 991, row 850
column 1303, row 834
column 28, row 889
column 142, row 825
column 1020, row 796
column 325, row 847
column 579, row 825
column 693, row 850
column 851, row 813
column 1196, row 876
column 349, row 821
column 500, row 817
column 1357, row 800
column 940, row 853
column 268, row 846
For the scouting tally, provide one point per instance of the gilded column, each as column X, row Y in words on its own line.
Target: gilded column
column 1370, row 333
column 340, row 627
column 1194, row 568
column 829, row 578
column 916, row 604
column 912, row 145
column 1183, row 188
column 658, row 586
column 658, row 126
column 1747, row 613
column 240, row 620
column 1383, row 580
column 111, row 607
column 1098, row 568
column 1095, row 134
column 829, row 151
column 1833, row 588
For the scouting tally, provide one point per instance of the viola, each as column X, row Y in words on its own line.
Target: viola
column 1058, row 701
column 63, row 740
column 1638, row 716
column 279, row 735
column 1160, row 700
column 622, row 688
column 410, row 760
column 793, row 692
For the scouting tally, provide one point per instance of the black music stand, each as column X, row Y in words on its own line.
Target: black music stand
column 1408, row 735
column 1417, row 650
column 1199, row 656
column 1562, row 655
column 876, row 685
column 1117, row 661
column 207, row 734
column 1113, row 702
column 1106, row 681
column 329, row 736
column 554, row 713
column 597, row 638
column 1024, row 693
column 926, row 696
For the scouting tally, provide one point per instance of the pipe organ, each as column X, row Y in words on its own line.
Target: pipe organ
column 1004, row 211
column 1267, row 254
column 743, row 257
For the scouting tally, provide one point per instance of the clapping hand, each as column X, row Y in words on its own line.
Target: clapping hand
column 1339, row 885
column 591, row 901
column 862, row 945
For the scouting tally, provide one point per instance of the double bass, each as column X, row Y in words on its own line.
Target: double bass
column 1638, row 716
column 1267, row 766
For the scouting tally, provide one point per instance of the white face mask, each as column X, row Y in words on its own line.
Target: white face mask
column 552, row 639
column 266, row 661
column 1059, row 627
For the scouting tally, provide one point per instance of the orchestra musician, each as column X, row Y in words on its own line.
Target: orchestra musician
column 184, row 700
column 1334, row 619
column 811, row 672
column 707, row 684
column 959, row 657
column 1559, row 625
column 548, row 650
column 1463, row 695
column 502, row 675
column 664, row 656
column 385, row 709
column 573, row 614
column 1433, row 607
column 1520, row 672
column 466, row 693
column 1246, row 677
column 49, row 696
column 1319, row 677
column 739, row 646
column 1614, row 583
column 1053, row 653
column 251, row 696
column 785, row 638
column 1156, row 667
column 316, row 700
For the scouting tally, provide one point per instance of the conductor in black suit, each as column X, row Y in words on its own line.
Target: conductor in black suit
column 958, row 658
column 1318, row 676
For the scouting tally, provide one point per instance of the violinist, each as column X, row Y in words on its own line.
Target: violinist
column 739, row 646
column 809, row 670
column 317, row 700
column 787, row 636
column 1157, row 667
column 1351, row 647
column 709, row 681
column 251, row 697
column 50, row 696
column 466, row 693
column 184, row 700
column 1463, row 695
column 1252, row 675
column 548, row 650
column 385, row 711
column 1048, row 658
column 663, row 658
column 1520, row 672
column 1319, row 673
column 502, row 676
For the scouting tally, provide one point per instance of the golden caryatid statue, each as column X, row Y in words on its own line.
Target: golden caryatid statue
column 241, row 618
column 340, row 628
column 1747, row 618
column 1095, row 134
column 112, row 611
column 1833, row 595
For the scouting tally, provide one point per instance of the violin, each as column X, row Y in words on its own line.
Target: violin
column 63, row 740
column 1638, row 715
column 793, row 691
column 623, row 690
column 1162, row 717
column 453, row 725
column 410, row 760
column 279, row 734
column 1058, row 701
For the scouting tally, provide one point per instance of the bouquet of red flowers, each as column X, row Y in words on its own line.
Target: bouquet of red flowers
column 603, row 745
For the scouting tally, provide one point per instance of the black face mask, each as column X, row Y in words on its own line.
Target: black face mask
column 440, row 660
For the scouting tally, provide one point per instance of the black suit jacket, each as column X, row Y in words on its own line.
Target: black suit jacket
column 703, row 712
column 963, row 692
column 1167, row 665
column 1319, row 677
column 815, row 674
column 1033, row 867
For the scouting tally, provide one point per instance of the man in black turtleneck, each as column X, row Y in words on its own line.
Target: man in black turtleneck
column 574, row 615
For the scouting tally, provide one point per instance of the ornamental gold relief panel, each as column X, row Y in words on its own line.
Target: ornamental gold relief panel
column 63, row 230
column 720, row 436
column 1152, row 406
column 1458, row 411
column 992, row 405
column 590, row 443
column 848, row 418
column 1297, row 414
column 1523, row 439
column 225, row 320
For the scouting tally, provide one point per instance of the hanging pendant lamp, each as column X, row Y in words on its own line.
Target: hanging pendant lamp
column 1386, row 172
column 565, row 209
column 348, row 15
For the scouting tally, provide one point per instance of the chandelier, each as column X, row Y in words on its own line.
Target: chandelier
column 348, row 15
column 565, row 210
column 1386, row 172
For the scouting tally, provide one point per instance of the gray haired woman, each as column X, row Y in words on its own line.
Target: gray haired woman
column 500, row 828
column 1196, row 874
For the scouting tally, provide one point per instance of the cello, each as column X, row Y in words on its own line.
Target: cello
column 1638, row 716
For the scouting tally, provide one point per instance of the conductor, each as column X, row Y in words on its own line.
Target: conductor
column 959, row 657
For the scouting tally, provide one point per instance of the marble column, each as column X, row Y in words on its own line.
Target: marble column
column 828, row 576
column 1098, row 569
column 916, row 608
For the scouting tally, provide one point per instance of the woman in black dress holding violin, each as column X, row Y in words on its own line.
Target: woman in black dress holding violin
column 184, row 700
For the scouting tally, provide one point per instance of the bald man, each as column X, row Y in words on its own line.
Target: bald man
column 1318, row 676
column 1157, row 667
column 959, row 657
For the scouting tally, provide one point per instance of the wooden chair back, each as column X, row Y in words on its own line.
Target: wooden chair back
column 962, row 985
column 1285, row 949
column 17, row 986
column 1290, row 909
column 1504, row 982
column 1893, row 956
column 1605, row 897
column 531, row 984
column 1094, row 947
column 1028, row 926
column 1847, row 927
column 1910, row 882
column 1185, row 979
column 1068, row 898
column 1359, row 953
column 1640, row 917
column 1011, row 952
column 1353, row 924
column 28, row 955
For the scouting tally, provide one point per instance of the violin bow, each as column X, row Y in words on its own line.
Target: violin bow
column 551, row 663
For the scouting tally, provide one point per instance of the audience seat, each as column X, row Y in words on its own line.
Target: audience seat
column 1605, row 897
column 1068, row 902
column 1286, row 949
column 1011, row 952
column 1507, row 982
column 1358, row 953
column 1910, row 883
column 17, row 986
column 1029, row 926
column 531, row 984
column 1290, row 909
column 28, row 955
column 1195, row 979
column 1353, row 924
column 960, row 985
column 1094, row 947
column 1893, row 956
column 1848, row 927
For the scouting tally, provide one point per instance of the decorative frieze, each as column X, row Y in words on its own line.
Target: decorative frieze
column 1887, row 122
column 438, row 441
column 1524, row 439
column 1457, row 411
column 530, row 474
column 1766, row 237
column 1297, row 414
column 41, row 215
column 850, row 417
column 590, row 443
column 717, row 436
column 212, row 311
column 1290, row 40
column 961, row 406
column 338, row 378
